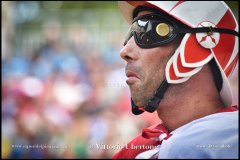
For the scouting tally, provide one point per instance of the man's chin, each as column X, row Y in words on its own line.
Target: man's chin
column 138, row 103
column 137, row 100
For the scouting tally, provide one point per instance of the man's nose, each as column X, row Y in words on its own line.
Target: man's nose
column 129, row 51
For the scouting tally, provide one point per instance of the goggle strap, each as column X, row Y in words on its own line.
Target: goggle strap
column 204, row 30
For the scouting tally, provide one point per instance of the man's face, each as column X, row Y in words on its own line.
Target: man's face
column 145, row 68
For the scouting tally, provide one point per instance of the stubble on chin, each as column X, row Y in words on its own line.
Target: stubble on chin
column 141, row 93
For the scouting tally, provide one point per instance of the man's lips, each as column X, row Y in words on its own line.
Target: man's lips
column 132, row 77
column 131, row 74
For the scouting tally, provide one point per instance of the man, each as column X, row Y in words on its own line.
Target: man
column 179, row 55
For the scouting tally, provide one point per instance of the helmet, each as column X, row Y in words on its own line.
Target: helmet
column 197, row 49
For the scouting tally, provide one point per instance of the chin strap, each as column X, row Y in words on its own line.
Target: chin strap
column 153, row 102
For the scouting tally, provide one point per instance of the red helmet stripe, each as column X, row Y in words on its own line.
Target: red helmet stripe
column 178, row 3
column 181, row 68
column 194, row 52
column 173, row 76
column 225, row 48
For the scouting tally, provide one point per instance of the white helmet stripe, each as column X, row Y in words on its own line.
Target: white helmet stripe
column 234, row 54
column 235, row 50
column 165, row 5
column 196, row 9
column 168, row 77
column 225, row 92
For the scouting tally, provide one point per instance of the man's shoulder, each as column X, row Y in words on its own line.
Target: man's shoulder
column 213, row 136
column 213, row 127
column 214, row 122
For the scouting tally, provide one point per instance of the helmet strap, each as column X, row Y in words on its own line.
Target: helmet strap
column 153, row 103
column 216, row 74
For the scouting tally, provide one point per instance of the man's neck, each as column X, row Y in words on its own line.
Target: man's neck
column 180, row 116
column 188, row 101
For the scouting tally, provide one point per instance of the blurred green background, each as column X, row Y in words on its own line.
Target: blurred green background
column 63, row 82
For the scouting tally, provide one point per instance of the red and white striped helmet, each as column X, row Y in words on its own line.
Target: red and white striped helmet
column 198, row 49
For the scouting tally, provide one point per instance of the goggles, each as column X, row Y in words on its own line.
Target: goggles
column 151, row 30
column 154, row 30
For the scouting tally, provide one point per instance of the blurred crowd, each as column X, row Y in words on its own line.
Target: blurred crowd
column 68, row 98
